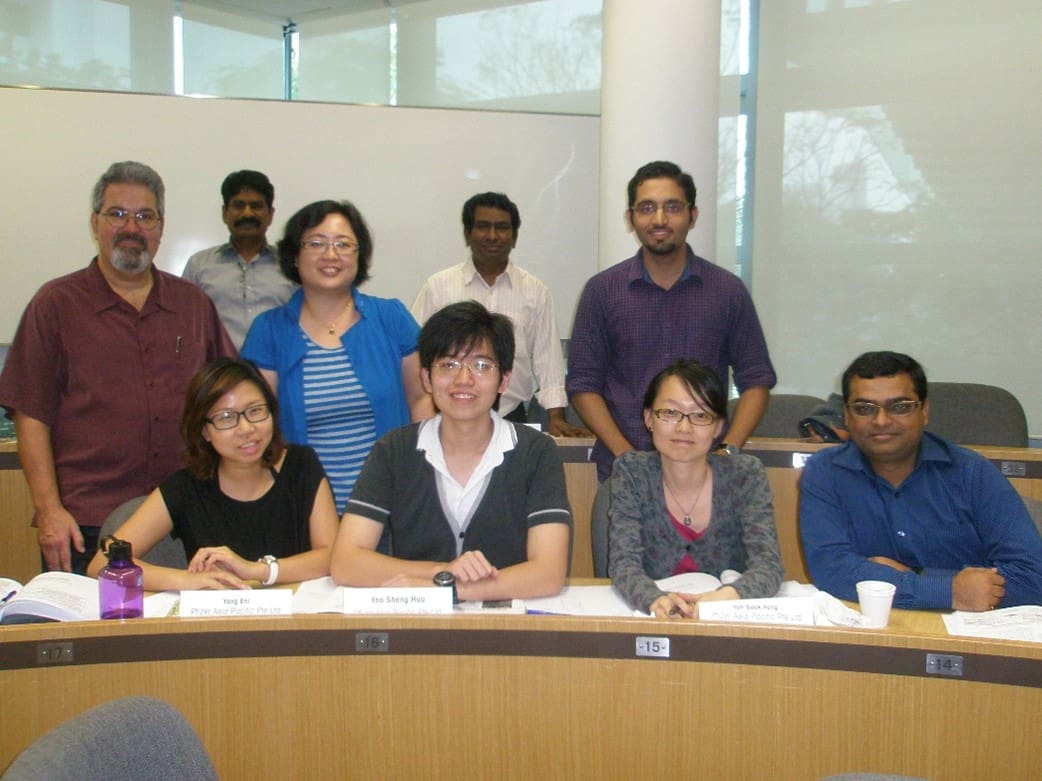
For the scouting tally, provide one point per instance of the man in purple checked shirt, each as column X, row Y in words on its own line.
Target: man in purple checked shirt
column 662, row 304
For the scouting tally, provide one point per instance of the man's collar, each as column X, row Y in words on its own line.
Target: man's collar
column 229, row 250
column 471, row 275
column 692, row 267
column 104, row 297
column 931, row 448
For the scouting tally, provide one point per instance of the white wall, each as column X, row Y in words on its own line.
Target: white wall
column 408, row 170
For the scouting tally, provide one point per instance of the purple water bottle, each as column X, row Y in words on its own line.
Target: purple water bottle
column 121, row 592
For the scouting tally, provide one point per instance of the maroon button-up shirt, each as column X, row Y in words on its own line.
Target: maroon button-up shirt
column 110, row 382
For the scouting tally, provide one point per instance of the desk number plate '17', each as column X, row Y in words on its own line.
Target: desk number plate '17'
column 653, row 646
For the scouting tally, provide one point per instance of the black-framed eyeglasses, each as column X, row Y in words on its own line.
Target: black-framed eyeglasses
column 117, row 217
column 229, row 418
column 479, row 367
column 672, row 207
column 674, row 416
column 897, row 409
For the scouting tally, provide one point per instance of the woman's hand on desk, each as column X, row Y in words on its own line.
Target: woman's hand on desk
column 724, row 592
column 680, row 605
column 674, row 605
column 227, row 567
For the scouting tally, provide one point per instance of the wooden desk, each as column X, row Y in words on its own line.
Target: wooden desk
column 527, row 697
column 19, row 553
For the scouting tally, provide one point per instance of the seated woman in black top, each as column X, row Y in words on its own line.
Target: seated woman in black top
column 247, row 506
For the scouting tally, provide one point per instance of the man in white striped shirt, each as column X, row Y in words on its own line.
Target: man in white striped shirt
column 490, row 226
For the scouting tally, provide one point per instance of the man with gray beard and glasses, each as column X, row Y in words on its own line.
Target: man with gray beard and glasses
column 95, row 378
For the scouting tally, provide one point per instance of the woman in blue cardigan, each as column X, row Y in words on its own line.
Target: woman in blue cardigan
column 343, row 363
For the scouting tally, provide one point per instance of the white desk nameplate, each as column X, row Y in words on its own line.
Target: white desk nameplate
column 795, row 611
column 247, row 602
column 425, row 600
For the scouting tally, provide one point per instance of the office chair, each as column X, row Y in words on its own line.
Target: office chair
column 133, row 737
column 783, row 415
column 599, row 529
column 1034, row 510
column 972, row 414
column 168, row 552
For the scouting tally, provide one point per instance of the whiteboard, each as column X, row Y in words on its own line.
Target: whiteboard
column 408, row 171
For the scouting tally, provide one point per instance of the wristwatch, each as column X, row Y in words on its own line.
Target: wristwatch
column 446, row 579
column 731, row 450
column 273, row 569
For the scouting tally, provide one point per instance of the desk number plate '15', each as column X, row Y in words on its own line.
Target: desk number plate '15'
column 653, row 646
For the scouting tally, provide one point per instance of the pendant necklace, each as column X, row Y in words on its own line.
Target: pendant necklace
column 687, row 512
column 331, row 327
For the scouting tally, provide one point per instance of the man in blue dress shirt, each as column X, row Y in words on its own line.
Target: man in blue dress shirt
column 899, row 504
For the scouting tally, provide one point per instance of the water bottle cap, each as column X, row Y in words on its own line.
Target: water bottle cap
column 119, row 550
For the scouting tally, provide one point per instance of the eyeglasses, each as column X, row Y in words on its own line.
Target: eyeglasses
column 897, row 409
column 229, row 418
column 319, row 246
column 648, row 208
column 117, row 218
column 480, row 367
column 674, row 416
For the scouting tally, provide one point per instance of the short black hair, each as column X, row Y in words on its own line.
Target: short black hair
column 237, row 181
column 661, row 169
column 312, row 215
column 458, row 327
column 700, row 380
column 884, row 363
column 493, row 201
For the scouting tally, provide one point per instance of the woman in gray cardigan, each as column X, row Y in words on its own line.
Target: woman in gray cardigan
column 681, row 508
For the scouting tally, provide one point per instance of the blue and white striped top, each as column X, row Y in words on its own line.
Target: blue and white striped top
column 340, row 422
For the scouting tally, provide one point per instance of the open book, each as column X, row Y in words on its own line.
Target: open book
column 51, row 596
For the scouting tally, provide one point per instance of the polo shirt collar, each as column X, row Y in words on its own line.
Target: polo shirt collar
column 504, row 439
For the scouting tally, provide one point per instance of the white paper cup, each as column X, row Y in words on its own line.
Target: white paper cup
column 875, row 598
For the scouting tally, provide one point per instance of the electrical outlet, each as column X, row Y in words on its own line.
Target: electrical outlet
column 371, row 642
